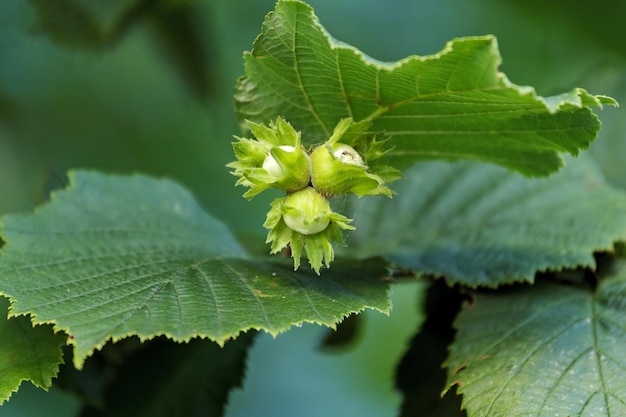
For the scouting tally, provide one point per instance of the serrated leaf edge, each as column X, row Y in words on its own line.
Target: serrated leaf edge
column 577, row 97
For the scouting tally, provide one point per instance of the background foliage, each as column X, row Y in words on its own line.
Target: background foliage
column 132, row 99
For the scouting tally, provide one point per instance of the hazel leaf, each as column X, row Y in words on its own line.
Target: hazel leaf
column 546, row 350
column 452, row 105
column 27, row 352
column 481, row 225
column 118, row 256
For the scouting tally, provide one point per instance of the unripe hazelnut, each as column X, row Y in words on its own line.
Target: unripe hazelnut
column 271, row 165
column 306, row 211
column 335, row 167
column 289, row 166
column 347, row 154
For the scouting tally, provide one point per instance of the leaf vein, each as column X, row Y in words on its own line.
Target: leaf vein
column 311, row 109
column 246, row 284
column 209, row 284
column 596, row 345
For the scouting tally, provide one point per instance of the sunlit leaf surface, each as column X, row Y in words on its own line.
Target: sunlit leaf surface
column 116, row 256
column 451, row 105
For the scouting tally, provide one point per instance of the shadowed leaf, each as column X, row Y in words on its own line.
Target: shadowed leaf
column 550, row 350
column 478, row 224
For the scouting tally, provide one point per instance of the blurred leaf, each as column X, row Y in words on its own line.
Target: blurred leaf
column 177, row 31
column 420, row 375
column 99, row 24
column 87, row 23
column 601, row 22
column 451, row 105
column 8, row 108
column 115, row 256
column 163, row 378
column 547, row 350
column 479, row 224
column 27, row 353
column 610, row 149
column 89, row 382
column 344, row 335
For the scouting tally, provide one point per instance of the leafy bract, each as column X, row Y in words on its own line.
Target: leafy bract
column 115, row 256
column 550, row 350
column 451, row 105
column 26, row 353
column 479, row 224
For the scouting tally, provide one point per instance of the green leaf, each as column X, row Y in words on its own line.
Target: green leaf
column 451, row 105
column 482, row 225
column 166, row 379
column 27, row 353
column 116, row 256
column 548, row 350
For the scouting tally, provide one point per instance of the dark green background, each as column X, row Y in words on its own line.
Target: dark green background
column 153, row 93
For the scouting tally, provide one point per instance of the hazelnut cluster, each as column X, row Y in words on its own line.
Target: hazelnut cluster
column 303, row 219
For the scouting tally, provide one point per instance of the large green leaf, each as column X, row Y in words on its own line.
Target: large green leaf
column 549, row 350
column 115, row 256
column 26, row 353
column 451, row 105
column 479, row 224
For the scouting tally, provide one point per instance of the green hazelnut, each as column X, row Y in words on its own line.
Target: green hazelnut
column 306, row 212
column 274, row 159
column 304, row 222
column 339, row 169
column 271, row 165
column 347, row 154
column 290, row 167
